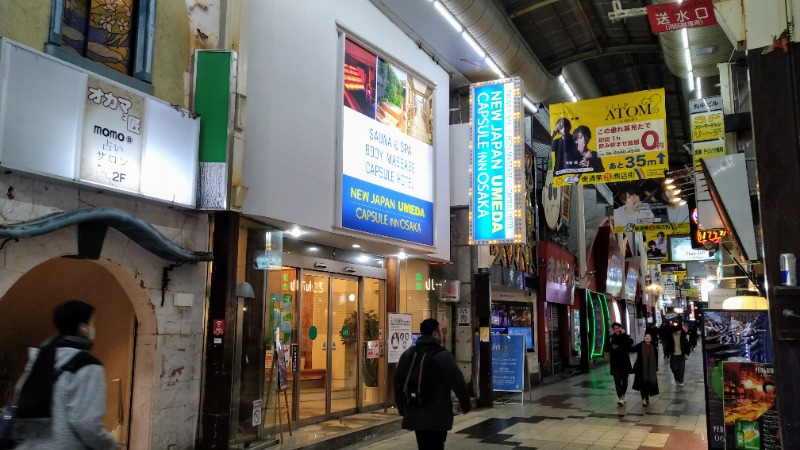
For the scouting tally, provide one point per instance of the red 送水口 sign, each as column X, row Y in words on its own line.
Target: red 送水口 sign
column 678, row 15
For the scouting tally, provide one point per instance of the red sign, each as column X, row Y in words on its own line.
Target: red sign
column 558, row 280
column 218, row 328
column 679, row 15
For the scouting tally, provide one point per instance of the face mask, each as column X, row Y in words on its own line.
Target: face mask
column 91, row 333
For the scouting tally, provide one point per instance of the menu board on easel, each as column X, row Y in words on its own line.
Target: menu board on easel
column 280, row 363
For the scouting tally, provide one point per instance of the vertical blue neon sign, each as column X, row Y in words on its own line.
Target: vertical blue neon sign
column 496, row 171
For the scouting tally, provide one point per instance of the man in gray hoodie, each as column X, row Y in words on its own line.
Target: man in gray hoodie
column 66, row 413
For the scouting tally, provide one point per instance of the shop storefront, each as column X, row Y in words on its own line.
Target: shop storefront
column 556, row 292
column 309, row 327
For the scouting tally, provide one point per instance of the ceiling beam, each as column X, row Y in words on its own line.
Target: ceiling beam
column 555, row 66
column 526, row 6
column 589, row 25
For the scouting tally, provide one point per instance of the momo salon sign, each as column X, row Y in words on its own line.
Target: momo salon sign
column 558, row 282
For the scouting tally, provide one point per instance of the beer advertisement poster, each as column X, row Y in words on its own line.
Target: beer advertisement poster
column 750, row 408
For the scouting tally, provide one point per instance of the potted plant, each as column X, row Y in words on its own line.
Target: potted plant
column 371, row 333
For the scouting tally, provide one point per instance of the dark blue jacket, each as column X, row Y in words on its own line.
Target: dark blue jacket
column 438, row 414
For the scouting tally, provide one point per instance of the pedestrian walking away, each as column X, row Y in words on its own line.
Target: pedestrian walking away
column 425, row 376
column 645, row 368
column 677, row 349
column 618, row 346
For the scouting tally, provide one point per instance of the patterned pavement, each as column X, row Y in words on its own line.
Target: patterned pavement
column 580, row 412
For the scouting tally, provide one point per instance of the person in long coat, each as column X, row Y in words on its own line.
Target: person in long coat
column 645, row 368
column 618, row 347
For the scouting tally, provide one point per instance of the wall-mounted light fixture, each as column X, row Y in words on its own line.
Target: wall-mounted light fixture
column 320, row 265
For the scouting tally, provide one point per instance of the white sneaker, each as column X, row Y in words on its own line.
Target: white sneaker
column 621, row 401
column 680, row 384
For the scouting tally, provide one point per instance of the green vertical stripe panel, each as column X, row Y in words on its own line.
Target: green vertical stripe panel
column 212, row 95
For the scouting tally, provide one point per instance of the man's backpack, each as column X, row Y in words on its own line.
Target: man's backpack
column 36, row 396
column 417, row 389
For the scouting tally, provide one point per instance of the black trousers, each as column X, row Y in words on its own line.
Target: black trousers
column 430, row 440
column 621, row 383
column 678, row 365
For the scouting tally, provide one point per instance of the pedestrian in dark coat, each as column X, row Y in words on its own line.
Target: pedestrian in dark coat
column 693, row 335
column 677, row 349
column 645, row 368
column 618, row 347
column 432, row 420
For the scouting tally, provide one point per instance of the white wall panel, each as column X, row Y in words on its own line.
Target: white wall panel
column 294, row 103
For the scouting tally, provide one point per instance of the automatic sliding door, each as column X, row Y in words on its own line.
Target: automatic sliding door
column 315, row 342
column 344, row 344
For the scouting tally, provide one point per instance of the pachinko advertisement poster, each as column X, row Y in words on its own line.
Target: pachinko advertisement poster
column 647, row 206
column 610, row 139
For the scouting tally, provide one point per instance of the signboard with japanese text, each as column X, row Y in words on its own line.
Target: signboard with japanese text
column 610, row 139
column 387, row 155
column 647, row 206
column 735, row 336
column 678, row 15
column 99, row 132
column 707, row 126
column 399, row 335
column 463, row 317
column 707, row 149
column 508, row 362
column 497, row 200
column 558, row 282
column 111, row 153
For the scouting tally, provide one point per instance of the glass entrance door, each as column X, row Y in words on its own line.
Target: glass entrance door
column 328, row 372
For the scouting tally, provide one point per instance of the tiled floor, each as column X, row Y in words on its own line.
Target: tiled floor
column 581, row 413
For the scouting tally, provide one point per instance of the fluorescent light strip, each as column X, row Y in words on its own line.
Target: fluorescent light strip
column 699, row 88
column 529, row 104
column 561, row 79
column 691, row 81
column 446, row 14
column 685, row 36
column 494, row 67
column 688, row 56
column 473, row 44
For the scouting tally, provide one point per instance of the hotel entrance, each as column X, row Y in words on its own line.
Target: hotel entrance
column 331, row 337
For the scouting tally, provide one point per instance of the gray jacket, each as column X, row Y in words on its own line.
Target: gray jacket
column 78, row 408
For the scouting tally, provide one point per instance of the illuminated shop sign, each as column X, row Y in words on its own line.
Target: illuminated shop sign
column 387, row 155
column 497, row 197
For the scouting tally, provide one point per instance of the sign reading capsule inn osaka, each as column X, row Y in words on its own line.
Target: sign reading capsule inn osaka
column 387, row 154
column 497, row 198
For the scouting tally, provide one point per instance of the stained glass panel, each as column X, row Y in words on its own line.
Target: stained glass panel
column 100, row 30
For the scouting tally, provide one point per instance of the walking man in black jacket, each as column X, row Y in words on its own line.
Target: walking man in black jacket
column 432, row 416
column 618, row 346
column 677, row 349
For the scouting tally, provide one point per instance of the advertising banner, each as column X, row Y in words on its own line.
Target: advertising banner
column 678, row 15
column 497, row 199
column 558, row 282
column 399, row 335
column 751, row 410
column 508, row 362
column 610, row 139
column 735, row 336
column 708, row 141
column 387, row 155
column 647, row 206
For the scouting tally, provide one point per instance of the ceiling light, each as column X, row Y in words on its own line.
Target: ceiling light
column 669, row 180
column 688, row 57
column 446, row 14
column 313, row 249
column 473, row 44
column 676, row 199
column 685, row 36
column 356, row 246
column 362, row 258
column 296, row 232
column 682, row 202
column 671, row 186
column 561, row 79
column 691, row 81
column 699, row 88
column 676, row 191
column 528, row 104
column 402, row 255
column 494, row 67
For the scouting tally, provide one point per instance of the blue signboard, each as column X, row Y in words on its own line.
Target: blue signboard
column 497, row 196
column 508, row 362
column 387, row 184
